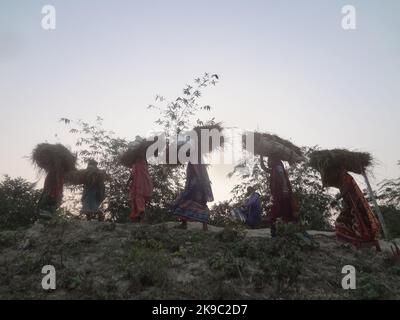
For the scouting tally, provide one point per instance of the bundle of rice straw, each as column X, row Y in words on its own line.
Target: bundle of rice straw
column 210, row 127
column 88, row 176
column 74, row 177
column 184, row 139
column 325, row 160
column 92, row 176
column 137, row 149
column 270, row 145
column 53, row 157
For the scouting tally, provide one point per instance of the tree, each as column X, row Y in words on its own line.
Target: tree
column 176, row 116
column 314, row 200
column 94, row 142
column 251, row 174
column 182, row 113
column 18, row 200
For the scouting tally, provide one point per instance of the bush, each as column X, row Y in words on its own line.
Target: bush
column 314, row 200
column 18, row 199
column 147, row 264
column 221, row 213
column 371, row 288
column 391, row 215
column 389, row 192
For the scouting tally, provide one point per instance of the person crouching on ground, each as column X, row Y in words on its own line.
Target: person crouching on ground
column 251, row 212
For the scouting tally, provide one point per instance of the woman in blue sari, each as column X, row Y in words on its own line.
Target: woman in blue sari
column 93, row 191
column 251, row 212
column 192, row 203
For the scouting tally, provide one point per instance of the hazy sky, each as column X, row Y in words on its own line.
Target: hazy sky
column 286, row 67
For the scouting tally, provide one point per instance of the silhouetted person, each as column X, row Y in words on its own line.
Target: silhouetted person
column 284, row 205
column 93, row 191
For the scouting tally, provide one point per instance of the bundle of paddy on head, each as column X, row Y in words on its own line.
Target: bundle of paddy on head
column 90, row 176
column 136, row 150
column 201, row 132
column 53, row 157
column 336, row 160
column 208, row 130
column 271, row 145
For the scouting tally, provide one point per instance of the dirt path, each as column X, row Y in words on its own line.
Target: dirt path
column 266, row 233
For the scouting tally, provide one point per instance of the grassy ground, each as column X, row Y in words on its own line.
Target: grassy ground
column 97, row 260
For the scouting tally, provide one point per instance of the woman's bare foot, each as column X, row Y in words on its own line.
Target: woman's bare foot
column 205, row 227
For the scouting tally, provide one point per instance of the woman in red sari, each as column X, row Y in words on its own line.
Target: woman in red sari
column 357, row 223
column 141, row 189
column 284, row 205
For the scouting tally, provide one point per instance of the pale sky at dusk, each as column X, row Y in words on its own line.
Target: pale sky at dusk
column 285, row 67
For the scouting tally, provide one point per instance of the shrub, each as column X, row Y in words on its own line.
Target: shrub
column 391, row 216
column 18, row 199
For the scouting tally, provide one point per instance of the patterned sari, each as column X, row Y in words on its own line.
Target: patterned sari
column 141, row 188
column 192, row 203
column 357, row 223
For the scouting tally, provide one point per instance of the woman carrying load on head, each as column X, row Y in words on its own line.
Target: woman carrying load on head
column 356, row 223
column 277, row 149
column 93, row 191
column 141, row 188
column 284, row 205
column 140, row 184
column 57, row 161
column 52, row 194
column 192, row 203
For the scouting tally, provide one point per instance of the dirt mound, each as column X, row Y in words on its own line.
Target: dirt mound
column 98, row 260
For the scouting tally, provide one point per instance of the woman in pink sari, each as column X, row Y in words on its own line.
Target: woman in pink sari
column 141, row 189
